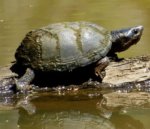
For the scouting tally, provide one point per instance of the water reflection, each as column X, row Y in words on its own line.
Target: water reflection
column 63, row 120
column 76, row 112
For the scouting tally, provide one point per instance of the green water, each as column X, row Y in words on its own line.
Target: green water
column 17, row 17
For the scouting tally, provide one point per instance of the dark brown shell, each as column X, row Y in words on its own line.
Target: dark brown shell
column 64, row 46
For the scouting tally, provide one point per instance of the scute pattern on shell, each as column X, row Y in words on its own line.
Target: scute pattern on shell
column 64, row 46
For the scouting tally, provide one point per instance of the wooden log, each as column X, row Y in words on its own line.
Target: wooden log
column 130, row 70
column 125, row 76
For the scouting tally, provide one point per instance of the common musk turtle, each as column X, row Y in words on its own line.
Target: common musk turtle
column 70, row 45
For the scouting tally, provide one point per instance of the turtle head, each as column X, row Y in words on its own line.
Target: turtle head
column 124, row 38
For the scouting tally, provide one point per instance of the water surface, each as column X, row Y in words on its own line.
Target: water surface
column 75, row 111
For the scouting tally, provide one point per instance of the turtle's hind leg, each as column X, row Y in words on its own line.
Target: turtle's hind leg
column 100, row 66
column 23, row 82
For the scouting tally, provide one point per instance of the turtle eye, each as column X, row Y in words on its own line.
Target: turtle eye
column 135, row 31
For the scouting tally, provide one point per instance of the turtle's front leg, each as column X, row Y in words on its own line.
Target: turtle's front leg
column 23, row 82
column 100, row 66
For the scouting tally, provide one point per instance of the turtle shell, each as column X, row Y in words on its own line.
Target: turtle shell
column 64, row 46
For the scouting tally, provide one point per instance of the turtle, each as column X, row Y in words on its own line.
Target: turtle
column 70, row 45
